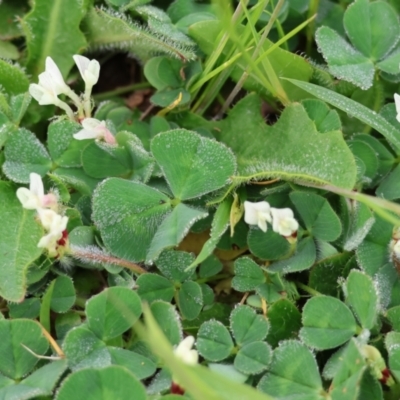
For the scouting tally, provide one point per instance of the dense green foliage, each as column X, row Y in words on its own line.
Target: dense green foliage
column 245, row 205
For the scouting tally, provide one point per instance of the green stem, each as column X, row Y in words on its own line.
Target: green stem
column 307, row 289
column 121, row 90
column 214, row 278
column 312, row 10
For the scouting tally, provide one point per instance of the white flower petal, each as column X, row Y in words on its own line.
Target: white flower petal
column 27, row 199
column 56, row 76
column 36, row 184
column 85, row 134
column 47, row 218
column 92, row 124
column 257, row 214
column 397, row 103
column 185, row 353
column 89, row 69
column 283, row 221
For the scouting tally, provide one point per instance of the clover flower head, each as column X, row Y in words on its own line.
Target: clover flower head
column 257, row 214
column 397, row 103
column 55, row 225
column 94, row 129
column 185, row 352
column 283, row 221
column 51, row 84
column 34, row 197
column 89, row 69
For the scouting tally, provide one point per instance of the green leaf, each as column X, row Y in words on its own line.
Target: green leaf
column 362, row 297
column 25, row 154
column 115, row 161
column 325, row 119
column 267, row 245
column 293, row 373
column 19, row 105
column 219, row 225
column 112, row 312
column 163, row 72
column 110, row 383
column 65, row 322
column 318, row 216
column 77, row 179
column 349, row 371
column 247, row 326
column 327, row 323
column 368, row 156
column 248, row 275
column 52, row 29
column 166, row 97
column 361, row 221
column 372, row 253
column 140, row 366
column 285, row 321
column 84, row 349
column 304, row 258
column 154, row 287
column 214, row 342
column 291, row 149
column 12, row 78
column 189, row 164
column 325, row 274
column 363, row 22
column 392, row 343
column 64, row 296
column 40, row 383
column 173, row 229
column 173, row 265
column 344, row 61
column 388, row 188
column 10, row 11
column 107, row 29
column 355, row 109
column 16, row 361
column 64, row 149
column 128, row 215
column 29, row 308
column 18, row 246
column 190, row 300
column 168, row 321
column 253, row 358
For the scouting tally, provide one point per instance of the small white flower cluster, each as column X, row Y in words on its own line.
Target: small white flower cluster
column 283, row 221
column 51, row 84
column 46, row 206
column 186, row 354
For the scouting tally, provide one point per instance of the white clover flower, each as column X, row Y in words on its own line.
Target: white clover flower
column 185, row 352
column 397, row 103
column 283, row 221
column 55, row 74
column 45, row 91
column 257, row 214
column 55, row 224
column 94, row 129
column 51, row 84
column 34, row 197
column 89, row 69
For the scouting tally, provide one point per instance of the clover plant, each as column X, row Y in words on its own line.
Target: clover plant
column 224, row 224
